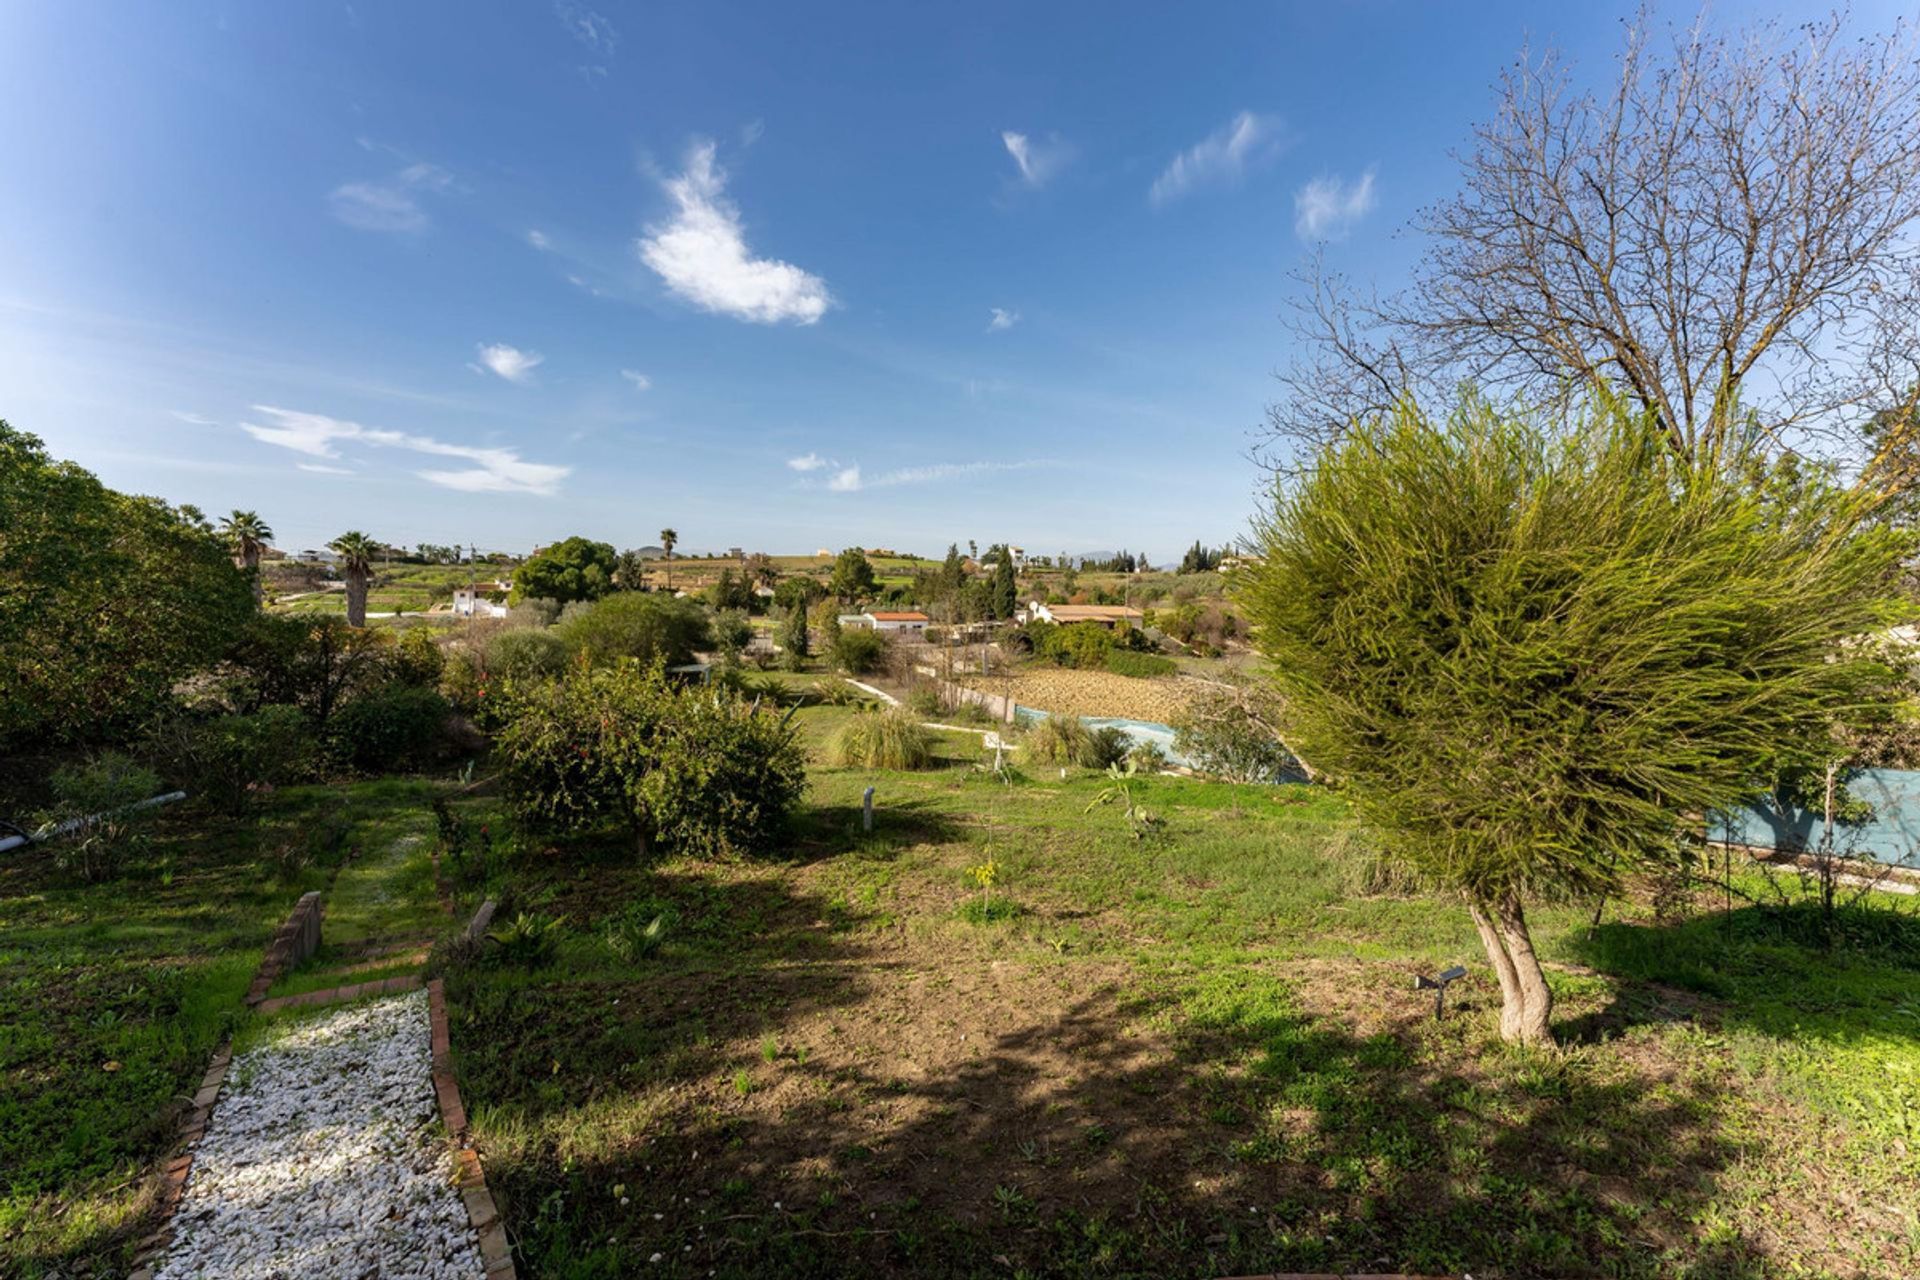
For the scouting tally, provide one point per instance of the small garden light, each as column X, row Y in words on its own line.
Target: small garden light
column 1439, row 987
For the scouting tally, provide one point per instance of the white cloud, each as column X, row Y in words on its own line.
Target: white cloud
column 850, row 479
column 640, row 381
column 808, row 462
column 496, row 470
column 588, row 27
column 1222, row 157
column 1327, row 207
column 392, row 205
column 702, row 255
column 1037, row 161
column 1002, row 319
column 752, row 131
column 322, row 469
column 192, row 419
column 510, row 363
column 538, row 239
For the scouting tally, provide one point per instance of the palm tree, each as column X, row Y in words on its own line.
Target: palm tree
column 667, row 538
column 248, row 535
column 356, row 551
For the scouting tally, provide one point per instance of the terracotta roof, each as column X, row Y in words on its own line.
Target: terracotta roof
column 1093, row 613
column 898, row 617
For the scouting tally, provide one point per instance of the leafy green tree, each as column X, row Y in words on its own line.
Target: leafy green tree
column 575, row 569
column 953, row 570
column 106, row 600
column 798, row 592
column 1005, row 591
column 759, row 570
column 248, row 535
column 630, row 571
column 1533, row 656
column 793, row 638
column 357, row 553
column 852, row 576
column 648, row 628
column 730, row 591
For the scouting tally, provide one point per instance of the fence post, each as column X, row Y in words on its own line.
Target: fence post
column 866, row 810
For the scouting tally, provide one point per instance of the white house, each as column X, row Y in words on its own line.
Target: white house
column 468, row 603
column 909, row 621
column 1111, row 616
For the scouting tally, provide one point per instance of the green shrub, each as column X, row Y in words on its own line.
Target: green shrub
column 229, row 760
column 1221, row 739
column 1064, row 739
column 839, row 693
column 388, row 729
column 643, row 626
column 1106, row 746
column 700, row 769
column 528, row 940
column 1146, row 756
column 1125, row 662
column 523, row 653
column 417, row 658
column 629, row 939
column 100, row 795
column 926, row 701
column 889, row 739
column 858, row 650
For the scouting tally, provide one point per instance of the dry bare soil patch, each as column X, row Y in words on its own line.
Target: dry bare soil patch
column 1092, row 693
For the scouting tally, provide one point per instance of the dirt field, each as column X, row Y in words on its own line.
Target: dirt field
column 1091, row 693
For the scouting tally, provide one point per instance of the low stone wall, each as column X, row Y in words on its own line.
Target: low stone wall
column 295, row 940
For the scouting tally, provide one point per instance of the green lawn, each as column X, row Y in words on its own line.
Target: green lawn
column 1194, row 1054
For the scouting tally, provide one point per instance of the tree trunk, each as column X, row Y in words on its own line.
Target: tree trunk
column 356, row 599
column 1525, row 1001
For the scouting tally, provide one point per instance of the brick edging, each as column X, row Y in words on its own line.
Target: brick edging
column 496, row 1254
column 293, row 942
column 333, row 995
column 173, row 1182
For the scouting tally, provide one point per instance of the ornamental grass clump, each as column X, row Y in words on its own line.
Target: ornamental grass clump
column 884, row 739
column 1534, row 654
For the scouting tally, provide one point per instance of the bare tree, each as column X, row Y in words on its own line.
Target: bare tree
column 1730, row 237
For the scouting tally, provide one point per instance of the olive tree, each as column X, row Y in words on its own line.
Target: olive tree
column 1533, row 656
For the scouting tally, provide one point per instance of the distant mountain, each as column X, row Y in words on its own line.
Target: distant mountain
column 653, row 553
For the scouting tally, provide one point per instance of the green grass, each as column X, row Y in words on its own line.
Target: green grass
column 1154, row 1037
column 113, row 997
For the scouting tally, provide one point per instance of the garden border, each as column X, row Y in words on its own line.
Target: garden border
column 496, row 1253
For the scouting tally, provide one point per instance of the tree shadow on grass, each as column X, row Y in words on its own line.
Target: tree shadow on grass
column 960, row 1124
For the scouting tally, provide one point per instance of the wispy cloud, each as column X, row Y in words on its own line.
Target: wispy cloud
column 495, row 470
column 1327, row 207
column 322, row 469
column 1002, row 319
column 640, row 381
column 1037, row 160
column 589, row 28
column 851, row 480
column 510, row 363
column 538, row 239
column 808, row 462
column 192, row 419
column 702, row 255
column 392, row 204
column 1221, row 158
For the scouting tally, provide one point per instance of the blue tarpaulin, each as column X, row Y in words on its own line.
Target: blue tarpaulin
column 1892, row 835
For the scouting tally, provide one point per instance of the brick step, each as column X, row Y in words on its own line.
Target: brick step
column 354, row 991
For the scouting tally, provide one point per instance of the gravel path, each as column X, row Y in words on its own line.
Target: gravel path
column 321, row 1162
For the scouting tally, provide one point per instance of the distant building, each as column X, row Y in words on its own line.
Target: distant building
column 1110, row 616
column 314, row 557
column 823, row 554
column 908, row 620
column 468, row 603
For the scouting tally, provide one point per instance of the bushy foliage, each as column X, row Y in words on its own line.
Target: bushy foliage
column 230, row 760
column 891, row 738
column 697, row 768
column 387, row 729
column 852, row 576
column 573, row 569
column 106, row 600
column 646, row 627
column 1529, row 654
column 798, row 591
column 793, row 638
column 417, row 658
column 1126, row 662
column 312, row 662
column 101, row 796
column 1221, row 737
column 1065, row 739
column 858, row 650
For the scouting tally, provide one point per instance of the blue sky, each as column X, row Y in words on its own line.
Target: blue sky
column 779, row 276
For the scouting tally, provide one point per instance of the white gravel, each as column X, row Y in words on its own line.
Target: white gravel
column 320, row 1161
